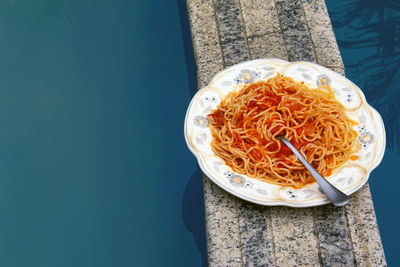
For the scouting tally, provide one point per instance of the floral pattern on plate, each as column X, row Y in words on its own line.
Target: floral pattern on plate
column 349, row 178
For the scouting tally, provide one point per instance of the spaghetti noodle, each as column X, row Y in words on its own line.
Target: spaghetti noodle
column 246, row 123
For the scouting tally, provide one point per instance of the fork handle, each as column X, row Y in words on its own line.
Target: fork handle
column 337, row 197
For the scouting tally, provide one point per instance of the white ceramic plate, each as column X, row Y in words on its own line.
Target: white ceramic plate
column 349, row 178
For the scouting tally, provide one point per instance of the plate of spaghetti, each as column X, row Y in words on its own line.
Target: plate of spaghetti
column 231, row 126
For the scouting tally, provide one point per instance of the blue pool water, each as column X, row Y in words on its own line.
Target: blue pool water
column 368, row 34
column 94, row 170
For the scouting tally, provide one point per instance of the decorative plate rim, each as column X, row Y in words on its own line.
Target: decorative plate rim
column 217, row 181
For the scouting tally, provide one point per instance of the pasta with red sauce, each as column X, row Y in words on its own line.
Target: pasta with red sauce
column 246, row 123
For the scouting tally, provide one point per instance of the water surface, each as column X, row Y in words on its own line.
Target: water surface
column 93, row 164
column 368, row 34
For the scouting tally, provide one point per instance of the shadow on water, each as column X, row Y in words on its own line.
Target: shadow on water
column 193, row 212
column 193, row 202
column 368, row 34
column 187, row 42
column 372, row 32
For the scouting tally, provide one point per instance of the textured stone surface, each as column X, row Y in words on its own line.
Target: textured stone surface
column 256, row 234
column 365, row 236
column 294, row 237
column 334, row 236
column 222, row 228
column 244, row 234
column 231, row 29
column 264, row 35
column 322, row 36
column 205, row 38
column 339, row 70
column 286, row 224
column 295, row 30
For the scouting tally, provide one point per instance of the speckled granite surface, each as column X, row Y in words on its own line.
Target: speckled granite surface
column 244, row 234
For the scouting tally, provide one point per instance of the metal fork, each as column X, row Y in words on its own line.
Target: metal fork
column 337, row 197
